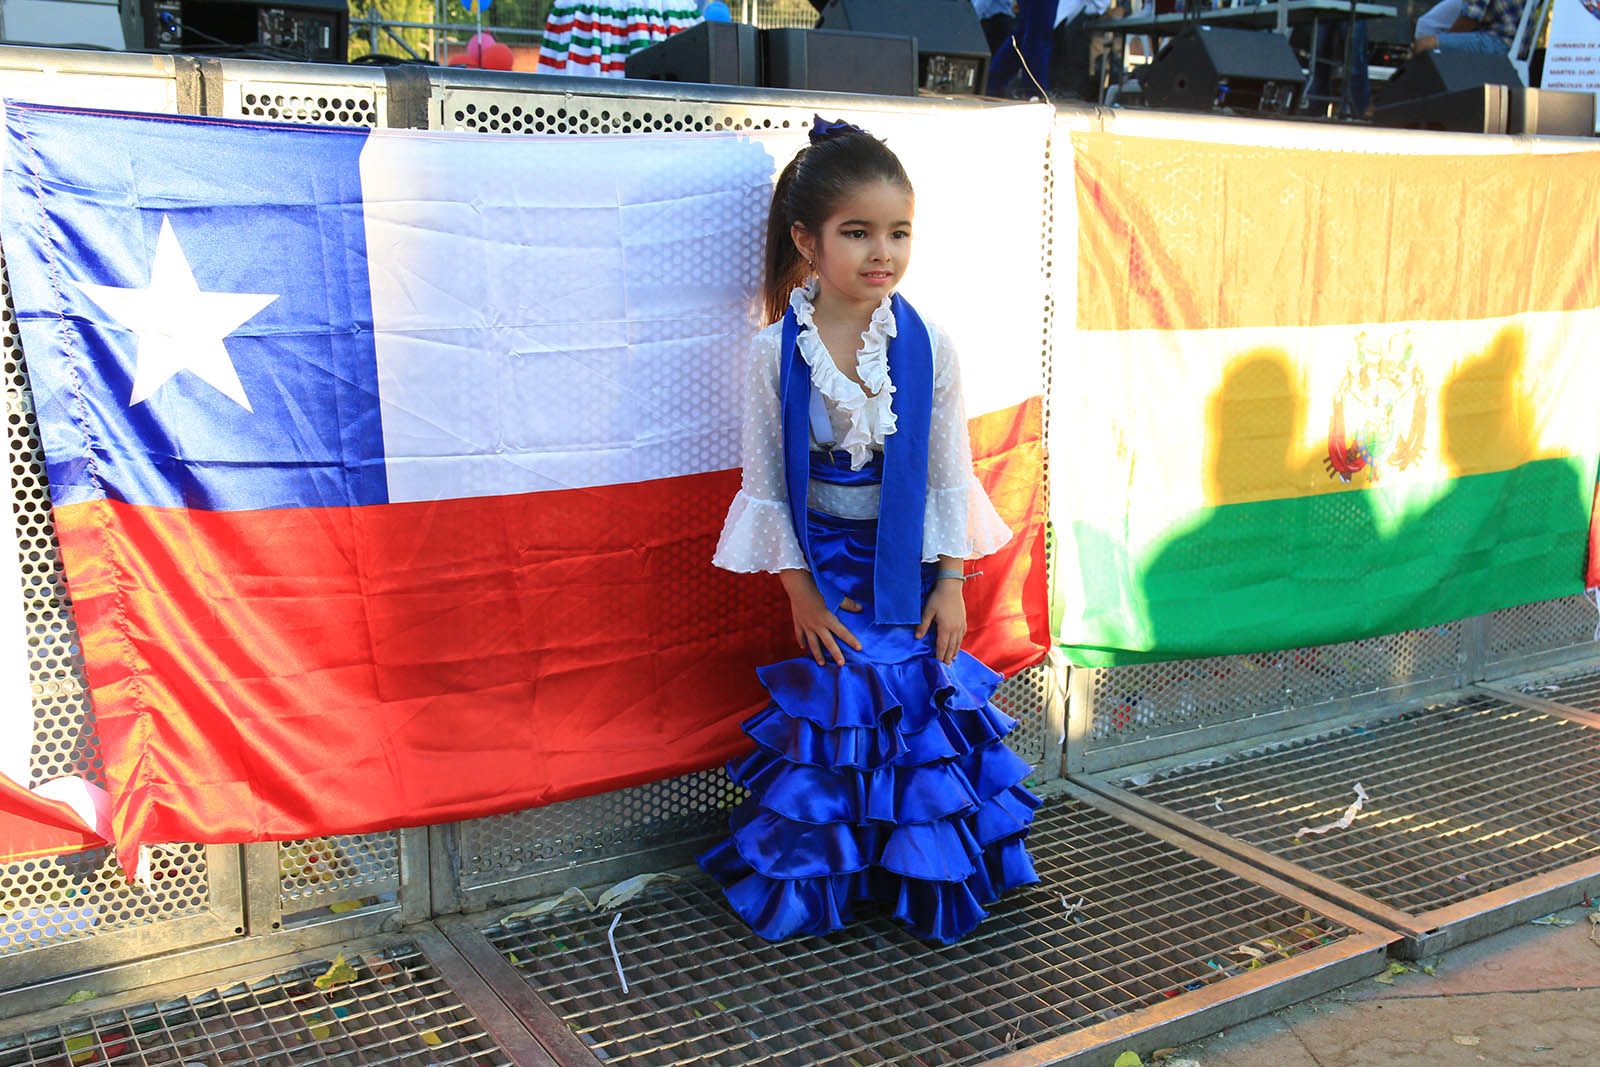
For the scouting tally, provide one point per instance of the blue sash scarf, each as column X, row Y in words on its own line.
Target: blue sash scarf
column 897, row 573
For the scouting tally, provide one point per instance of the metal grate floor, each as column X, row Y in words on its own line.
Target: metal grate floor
column 1155, row 922
column 398, row 1010
column 1464, row 798
column 1580, row 690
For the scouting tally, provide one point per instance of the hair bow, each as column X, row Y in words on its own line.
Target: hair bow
column 823, row 130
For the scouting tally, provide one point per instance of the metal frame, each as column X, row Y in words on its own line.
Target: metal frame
column 1225, row 1002
column 167, row 988
column 1425, row 933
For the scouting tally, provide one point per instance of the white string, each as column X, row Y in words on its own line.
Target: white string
column 611, row 936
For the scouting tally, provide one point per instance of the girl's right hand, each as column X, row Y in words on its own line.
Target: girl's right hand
column 816, row 629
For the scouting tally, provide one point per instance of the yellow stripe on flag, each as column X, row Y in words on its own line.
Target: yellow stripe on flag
column 1187, row 235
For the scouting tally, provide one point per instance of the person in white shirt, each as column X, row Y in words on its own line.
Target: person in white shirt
column 880, row 773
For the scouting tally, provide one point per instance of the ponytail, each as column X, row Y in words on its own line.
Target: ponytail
column 840, row 158
column 785, row 268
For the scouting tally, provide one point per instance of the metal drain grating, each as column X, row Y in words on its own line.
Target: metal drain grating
column 1156, row 922
column 1578, row 689
column 1466, row 798
column 398, row 1010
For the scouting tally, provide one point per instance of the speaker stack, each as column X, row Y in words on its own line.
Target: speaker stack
column 1467, row 93
column 883, row 47
column 1208, row 68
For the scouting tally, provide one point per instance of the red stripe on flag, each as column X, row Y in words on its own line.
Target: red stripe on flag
column 1007, row 605
column 32, row 827
column 1591, row 572
column 288, row 673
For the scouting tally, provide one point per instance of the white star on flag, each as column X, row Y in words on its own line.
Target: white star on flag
column 179, row 327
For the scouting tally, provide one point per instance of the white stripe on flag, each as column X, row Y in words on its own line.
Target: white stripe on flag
column 562, row 312
column 559, row 312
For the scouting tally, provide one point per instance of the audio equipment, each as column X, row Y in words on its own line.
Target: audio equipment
column 1207, row 67
column 840, row 62
column 1435, row 72
column 952, row 54
column 1495, row 109
column 716, row 53
column 297, row 30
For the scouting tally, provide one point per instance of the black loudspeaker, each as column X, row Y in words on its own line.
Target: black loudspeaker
column 840, row 62
column 1205, row 67
column 1478, row 109
column 1437, row 72
column 714, row 53
column 1551, row 112
column 952, row 53
column 1495, row 109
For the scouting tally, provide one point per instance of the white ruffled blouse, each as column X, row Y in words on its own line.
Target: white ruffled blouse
column 959, row 521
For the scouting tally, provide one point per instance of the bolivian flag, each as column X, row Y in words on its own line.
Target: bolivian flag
column 1321, row 395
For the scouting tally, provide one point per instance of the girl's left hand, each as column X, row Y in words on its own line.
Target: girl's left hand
column 946, row 611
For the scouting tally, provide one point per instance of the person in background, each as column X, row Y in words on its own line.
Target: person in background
column 1070, row 74
column 1485, row 27
column 1438, row 18
column 1030, row 41
column 996, row 17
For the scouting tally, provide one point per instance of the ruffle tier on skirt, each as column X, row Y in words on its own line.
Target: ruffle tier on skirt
column 884, row 780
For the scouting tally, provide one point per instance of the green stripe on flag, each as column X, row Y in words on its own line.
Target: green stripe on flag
column 1312, row 570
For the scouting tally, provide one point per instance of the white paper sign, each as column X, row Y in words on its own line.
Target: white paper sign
column 1572, row 59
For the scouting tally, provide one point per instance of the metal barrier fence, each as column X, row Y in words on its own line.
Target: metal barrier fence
column 224, row 905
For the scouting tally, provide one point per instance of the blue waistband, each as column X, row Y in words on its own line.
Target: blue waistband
column 834, row 469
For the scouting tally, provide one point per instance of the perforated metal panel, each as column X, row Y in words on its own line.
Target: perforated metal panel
column 66, row 898
column 322, row 870
column 397, row 1010
column 1023, row 697
column 344, row 102
column 1150, row 700
column 1375, row 664
column 673, row 810
column 703, row 989
column 1542, row 627
column 64, row 742
column 1464, row 798
column 494, row 112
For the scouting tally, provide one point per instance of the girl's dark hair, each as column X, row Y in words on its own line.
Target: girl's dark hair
column 816, row 179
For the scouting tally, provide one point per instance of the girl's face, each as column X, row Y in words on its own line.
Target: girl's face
column 861, row 252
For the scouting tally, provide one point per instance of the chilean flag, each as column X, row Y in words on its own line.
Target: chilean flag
column 387, row 466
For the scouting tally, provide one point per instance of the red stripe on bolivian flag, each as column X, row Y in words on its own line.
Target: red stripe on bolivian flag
column 1336, row 394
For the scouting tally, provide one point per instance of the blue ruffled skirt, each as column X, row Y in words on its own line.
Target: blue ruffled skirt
column 885, row 780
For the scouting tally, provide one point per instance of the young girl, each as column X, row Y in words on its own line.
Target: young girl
column 879, row 773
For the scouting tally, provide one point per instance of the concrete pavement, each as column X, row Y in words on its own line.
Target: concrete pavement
column 1528, row 995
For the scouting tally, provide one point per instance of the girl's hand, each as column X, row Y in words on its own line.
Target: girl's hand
column 816, row 629
column 946, row 611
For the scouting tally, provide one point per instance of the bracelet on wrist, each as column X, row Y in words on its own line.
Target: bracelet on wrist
column 955, row 576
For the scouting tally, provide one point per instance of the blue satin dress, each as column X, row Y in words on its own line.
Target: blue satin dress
column 884, row 781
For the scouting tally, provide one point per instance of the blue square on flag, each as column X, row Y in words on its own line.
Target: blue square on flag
column 216, row 347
